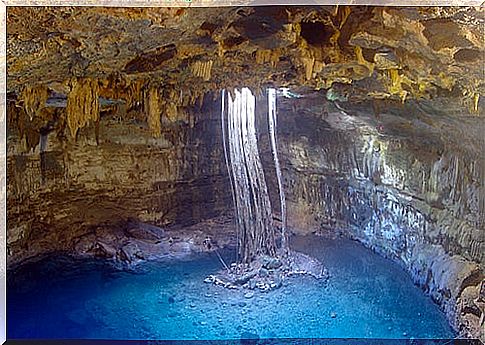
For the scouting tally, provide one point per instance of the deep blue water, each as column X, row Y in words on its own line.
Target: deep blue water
column 366, row 296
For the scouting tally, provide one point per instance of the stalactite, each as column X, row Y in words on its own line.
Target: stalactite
column 362, row 61
column 134, row 94
column 263, row 56
column 120, row 88
column 396, row 84
column 34, row 98
column 318, row 66
column 152, row 109
column 193, row 97
column 171, row 110
column 308, row 63
column 202, row 69
column 113, row 87
column 342, row 14
column 267, row 55
column 82, row 104
column 201, row 99
column 476, row 99
column 173, row 100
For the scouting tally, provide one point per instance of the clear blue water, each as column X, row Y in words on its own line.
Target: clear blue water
column 366, row 296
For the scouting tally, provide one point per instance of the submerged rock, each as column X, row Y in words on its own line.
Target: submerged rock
column 249, row 295
column 245, row 277
column 270, row 263
column 145, row 232
column 265, row 279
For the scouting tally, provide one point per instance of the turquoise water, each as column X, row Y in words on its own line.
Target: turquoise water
column 366, row 296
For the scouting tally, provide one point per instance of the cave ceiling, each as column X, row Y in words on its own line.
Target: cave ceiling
column 381, row 52
column 359, row 53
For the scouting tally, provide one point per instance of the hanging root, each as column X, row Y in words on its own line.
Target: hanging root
column 152, row 108
column 171, row 105
column 222, row 261
column 34, row 98
column 261, row 265
column 82, row 104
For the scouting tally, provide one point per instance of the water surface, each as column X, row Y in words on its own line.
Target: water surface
column 366, row 296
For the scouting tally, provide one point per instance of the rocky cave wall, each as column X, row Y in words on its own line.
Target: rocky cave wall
column 390, row 180
column 415, row 199
column 62, row 189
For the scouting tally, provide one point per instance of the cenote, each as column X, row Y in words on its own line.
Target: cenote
column 245, row 174
column 366, row 297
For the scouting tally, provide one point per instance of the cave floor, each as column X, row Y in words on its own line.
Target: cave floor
column 366, row 296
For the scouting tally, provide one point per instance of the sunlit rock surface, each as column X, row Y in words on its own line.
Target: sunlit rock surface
column 114, row 120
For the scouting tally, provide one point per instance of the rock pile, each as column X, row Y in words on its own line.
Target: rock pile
column 267, row 273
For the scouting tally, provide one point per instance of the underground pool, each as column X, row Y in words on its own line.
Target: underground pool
column 365, row 296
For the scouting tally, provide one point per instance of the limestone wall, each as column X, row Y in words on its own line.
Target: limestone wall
column 57, row 195
column 418, row 202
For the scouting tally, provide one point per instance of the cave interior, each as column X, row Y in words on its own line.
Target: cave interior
column 116, row 152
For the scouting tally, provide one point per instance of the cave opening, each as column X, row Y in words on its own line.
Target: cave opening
column 171, row 186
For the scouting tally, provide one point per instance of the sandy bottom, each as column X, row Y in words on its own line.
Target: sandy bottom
column 366, row 296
